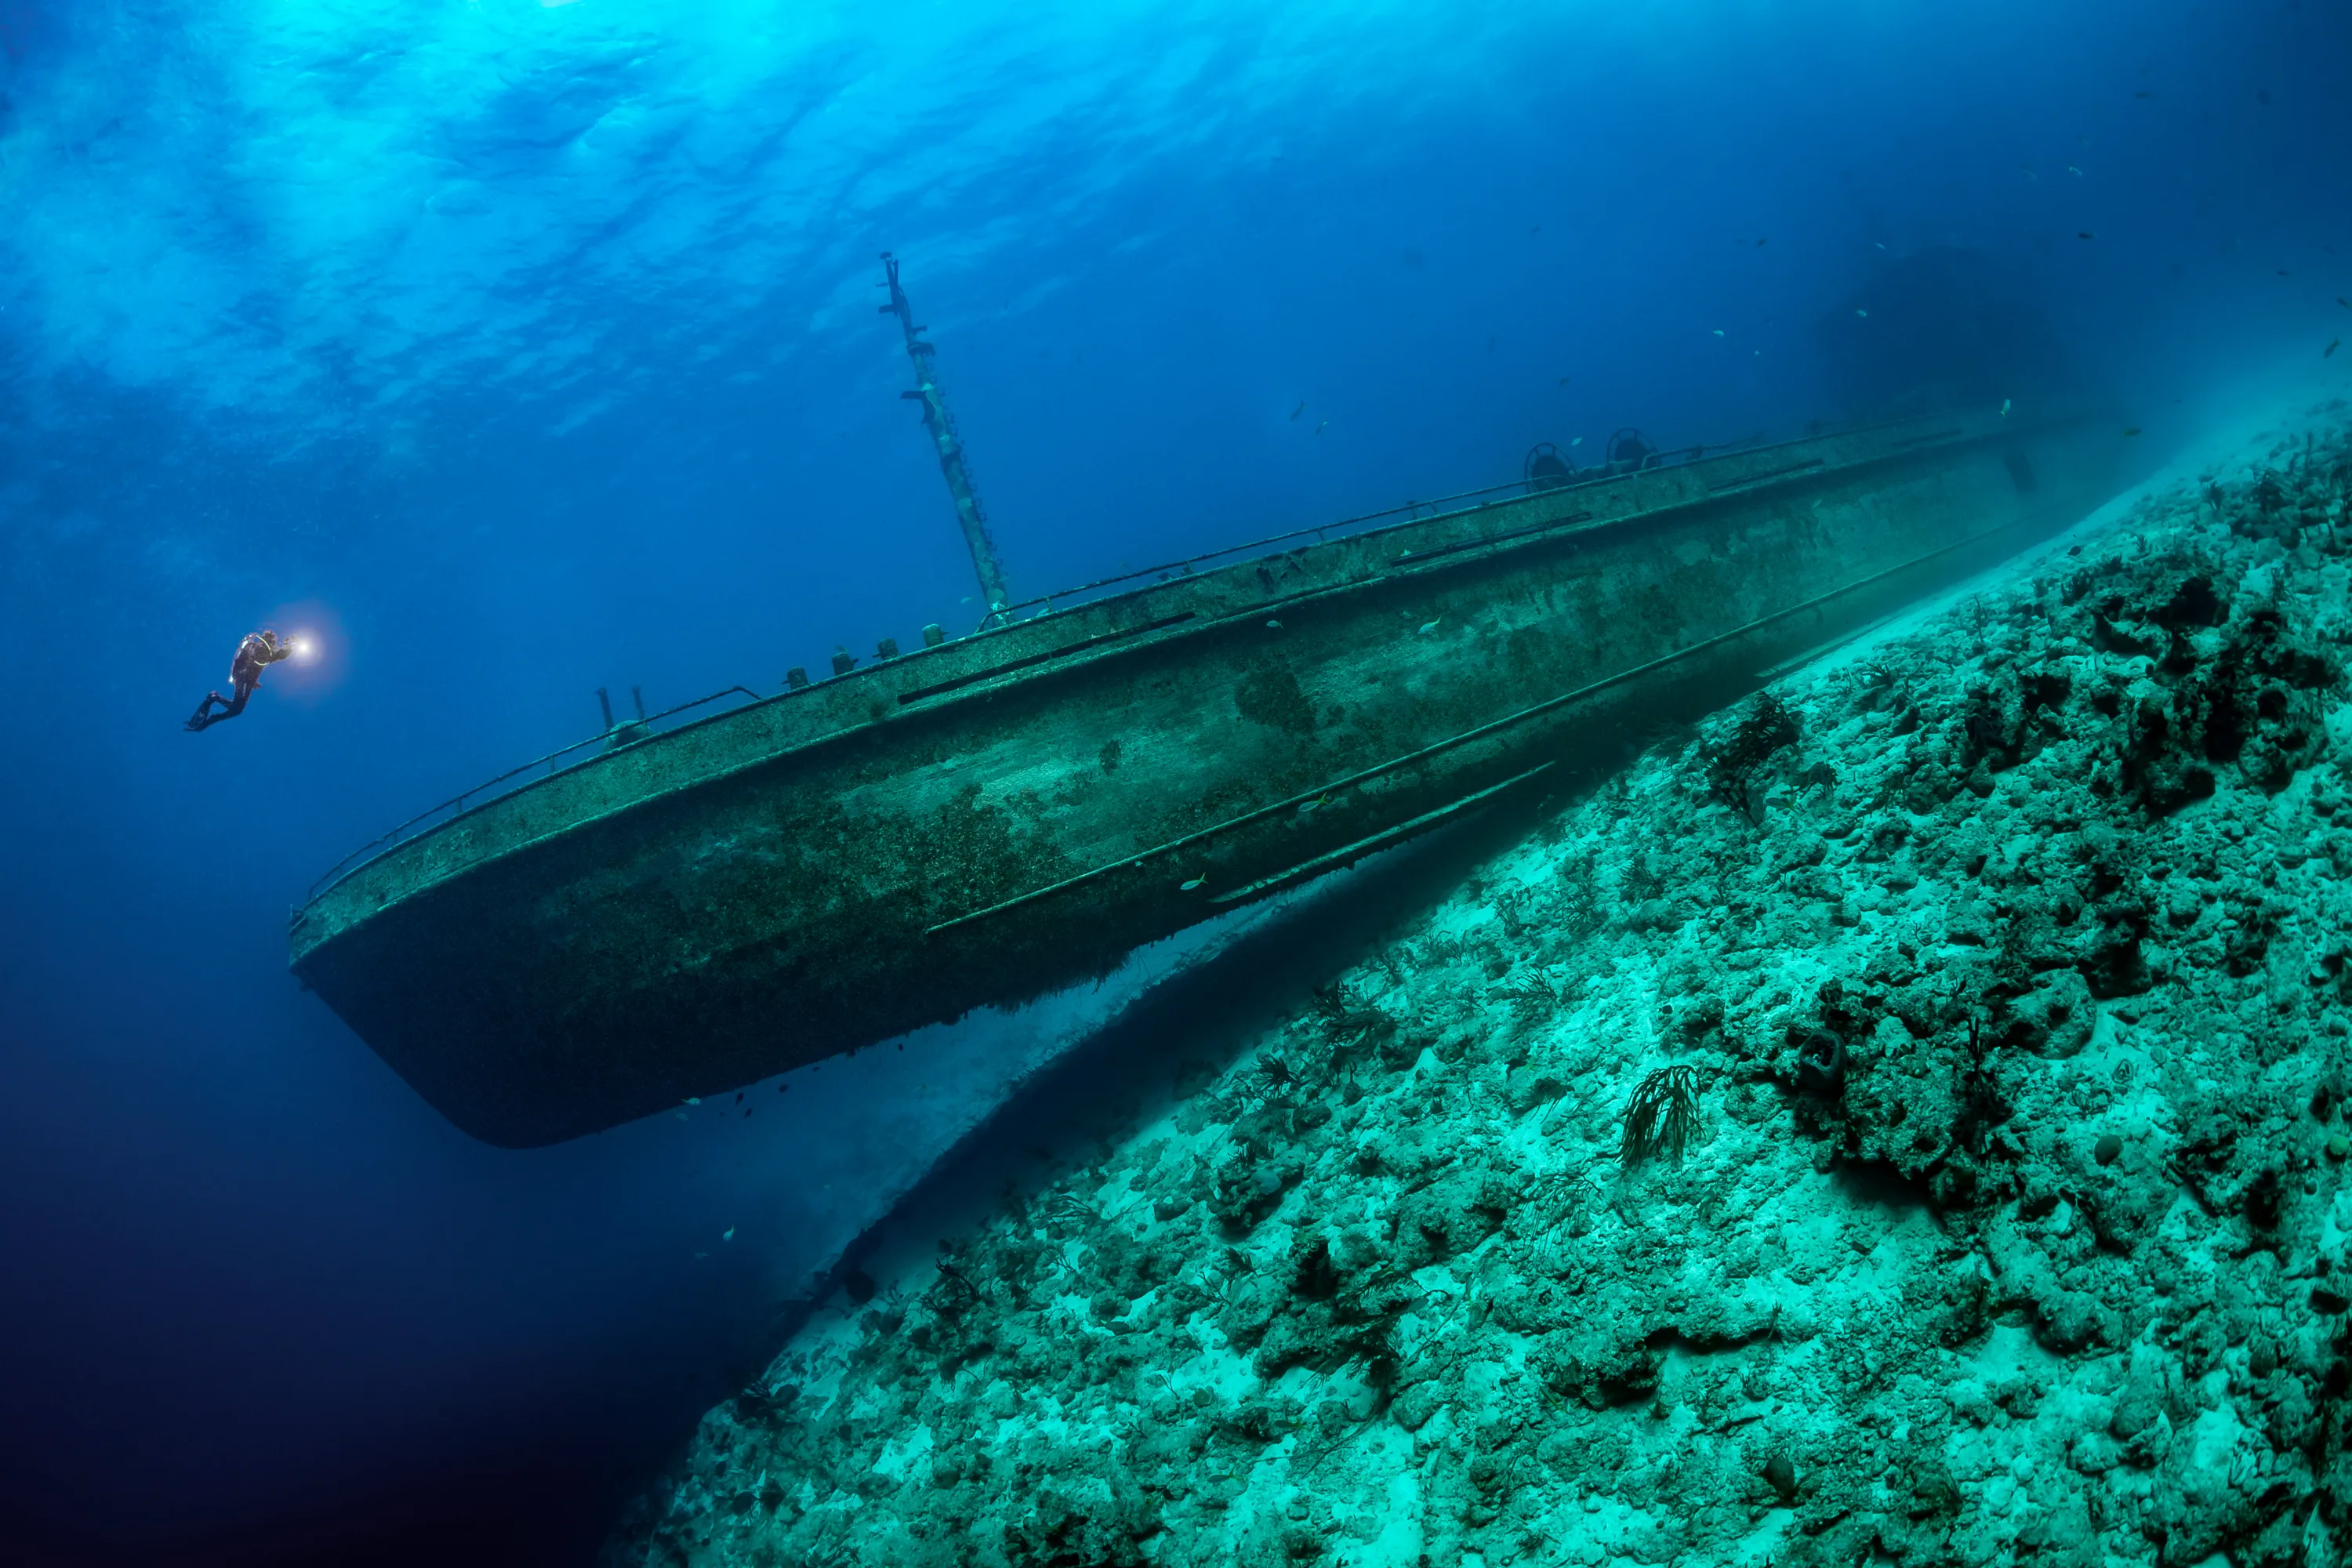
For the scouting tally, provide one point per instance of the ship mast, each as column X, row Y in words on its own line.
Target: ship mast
column 943, row 428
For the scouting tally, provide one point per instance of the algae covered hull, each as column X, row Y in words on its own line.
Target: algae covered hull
column 1004, row 813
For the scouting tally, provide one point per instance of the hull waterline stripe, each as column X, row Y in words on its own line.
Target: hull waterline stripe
column 1491, row 727
column 1742, row 481
column 1081, row 646
column 1416, row 557
column 1380, row 840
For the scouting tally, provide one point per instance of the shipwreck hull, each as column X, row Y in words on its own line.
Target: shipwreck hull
column 984, row 821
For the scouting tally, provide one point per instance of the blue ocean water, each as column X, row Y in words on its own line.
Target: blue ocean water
column 514, row 350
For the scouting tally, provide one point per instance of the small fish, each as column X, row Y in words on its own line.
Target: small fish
column 1297, row 411
column 691, row 1100
column 1320, row 428
column 1576, row 441
column 2073, row 171
column 2004, row 408
column 1718, row 331
column 1274, row 625
column 1875, row 243
column 2343, row 301
column 1860, row 312
column 738, row 1097
column 727, row 1234
column 1564, row 380
column 1192, row 884
column 2082, row 233
column 2329, row 351
column 702, row 1254
column 2131, row 430
column 1763, row 242
column 965, row 600
column 2143, row 96
column 1428, row 627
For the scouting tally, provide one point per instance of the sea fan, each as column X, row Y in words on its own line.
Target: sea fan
column 1731, row 769
column 1662, row 1116
column 2270, row 495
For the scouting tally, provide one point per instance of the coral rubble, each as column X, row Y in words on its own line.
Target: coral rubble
column 2005, row 963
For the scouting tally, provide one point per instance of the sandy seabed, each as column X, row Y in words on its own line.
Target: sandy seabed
column 2008, row 954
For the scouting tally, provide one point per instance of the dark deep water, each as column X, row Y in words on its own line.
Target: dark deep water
column 514, row 350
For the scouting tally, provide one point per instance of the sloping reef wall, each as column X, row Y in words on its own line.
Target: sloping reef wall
column 1995, row 982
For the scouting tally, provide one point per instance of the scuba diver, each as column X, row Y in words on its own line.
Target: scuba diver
column 256, row 653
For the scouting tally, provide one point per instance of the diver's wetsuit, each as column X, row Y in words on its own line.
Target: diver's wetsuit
column 255, row 653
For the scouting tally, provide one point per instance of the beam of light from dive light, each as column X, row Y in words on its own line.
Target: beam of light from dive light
column 321, row 651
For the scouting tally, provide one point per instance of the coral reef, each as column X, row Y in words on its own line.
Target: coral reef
column 2006, row 968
